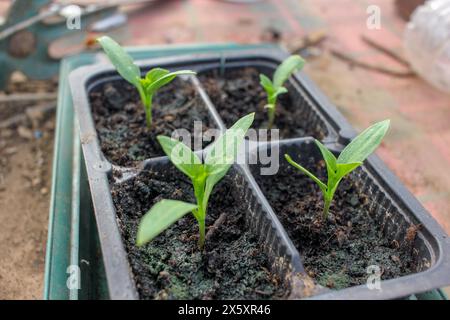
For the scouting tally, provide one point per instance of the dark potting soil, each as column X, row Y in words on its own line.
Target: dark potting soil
column 232, row 265
column 240, row 93
column 338, row 251
column 120, row 119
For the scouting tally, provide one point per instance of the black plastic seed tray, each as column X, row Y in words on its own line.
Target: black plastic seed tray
column 101, row 172
column 261, row 218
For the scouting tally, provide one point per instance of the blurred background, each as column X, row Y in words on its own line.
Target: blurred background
column 355, row 51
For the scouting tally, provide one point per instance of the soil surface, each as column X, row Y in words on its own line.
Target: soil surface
column 240, row 93
column 120, row 119
column 232, row 265
column 25, row 181
column 338, row 251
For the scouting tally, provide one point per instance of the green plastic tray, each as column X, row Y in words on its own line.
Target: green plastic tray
column 72, row 232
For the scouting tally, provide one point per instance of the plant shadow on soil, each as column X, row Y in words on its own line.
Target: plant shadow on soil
column 239, row 93
column 336, row 252
column 232, row 265
column 119, row 118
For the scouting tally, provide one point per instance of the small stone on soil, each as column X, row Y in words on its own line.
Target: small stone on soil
column 341, row 237
column 354, row 200
column 114, row 98
column 130, row 107
column 25, row 133
column 10, row 151
column 34, row 114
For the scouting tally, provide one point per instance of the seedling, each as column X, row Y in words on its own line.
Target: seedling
column 350, row 158
column 147, row 86
column 275, row 87
column 204, row 177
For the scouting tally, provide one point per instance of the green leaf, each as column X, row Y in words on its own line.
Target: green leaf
column 272, row 98
column 223, row 152
column 342, row 170
column 327, row 155
column 161, row 77
column 121, row 60
column 161, row 216
column 156, row 74
column 322, row 186
column 181, row 156
column 364, row 144
column 266, row 83
column 280, row 90
column 286, row 68
column 271, row 91
column 211, row 181
column 345, row 168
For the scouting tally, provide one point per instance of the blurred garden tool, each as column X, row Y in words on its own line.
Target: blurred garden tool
column 31, row 26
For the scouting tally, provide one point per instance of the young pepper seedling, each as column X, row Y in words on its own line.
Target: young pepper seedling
column 204, row 176
column 349, row 159
column 275, row 87
column 147, row 86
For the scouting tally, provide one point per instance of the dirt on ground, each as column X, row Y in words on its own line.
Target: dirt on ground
column 25, row 181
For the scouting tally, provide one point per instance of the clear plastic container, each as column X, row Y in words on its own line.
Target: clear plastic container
column 427, row 42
